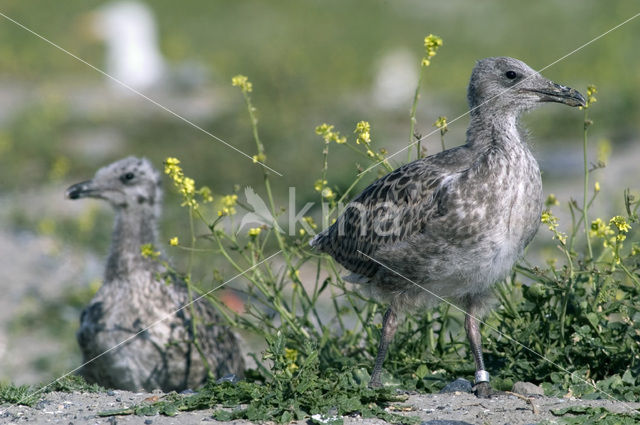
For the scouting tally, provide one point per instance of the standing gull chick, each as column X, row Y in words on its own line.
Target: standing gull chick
column 454, row 223
column 138, row 292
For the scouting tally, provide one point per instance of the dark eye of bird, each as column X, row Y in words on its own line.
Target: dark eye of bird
column 511, row 75
column 127, row 177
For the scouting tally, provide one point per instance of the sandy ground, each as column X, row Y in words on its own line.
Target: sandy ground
column 82, row 408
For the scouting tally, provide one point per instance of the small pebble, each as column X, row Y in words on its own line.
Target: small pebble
column 228, row 378
column 459, row 384
column 148, row 421
column 111, row 393
column 527, row 388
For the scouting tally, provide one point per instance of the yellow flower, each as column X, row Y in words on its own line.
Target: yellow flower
column 228, row 204
column 291, row 356
column 323, row 129
column 259, row 158
column 229, row 200
column 552, row 223
column 363, row 127
column 242, row 82
column 327, row 193
column 596, row 187
column 548, row 218
column 431, row 45
column 255, row 231
column 551, row 200
column 185, row 185
column 205, row 193
column 326, row 131
column 591, row 91
column 148, row 251
column 174, row 241
column 600, row 229
column 620, row 223
column 310, row 222
column 188, row 186
column 363, row 130
column 319, row 184
column 441, row 123
column 294, row 274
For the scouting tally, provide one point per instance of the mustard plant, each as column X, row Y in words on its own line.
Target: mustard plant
column 431, row 45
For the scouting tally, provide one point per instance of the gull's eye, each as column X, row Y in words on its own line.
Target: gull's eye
column 127, row 177
column 511, row 75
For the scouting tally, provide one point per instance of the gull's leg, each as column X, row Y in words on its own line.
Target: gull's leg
column 389, row 326
column 471, row 325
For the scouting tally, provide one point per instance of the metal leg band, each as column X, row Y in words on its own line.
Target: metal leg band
column 481, row 376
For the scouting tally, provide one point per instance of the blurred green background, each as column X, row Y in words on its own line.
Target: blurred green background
column 310, row 62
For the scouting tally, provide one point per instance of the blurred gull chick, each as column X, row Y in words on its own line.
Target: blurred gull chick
column 138, row 292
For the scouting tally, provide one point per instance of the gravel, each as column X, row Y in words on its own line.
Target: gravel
column 433, row 409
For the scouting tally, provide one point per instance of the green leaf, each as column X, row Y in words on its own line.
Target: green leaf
column 422, row 371
column 628, row 378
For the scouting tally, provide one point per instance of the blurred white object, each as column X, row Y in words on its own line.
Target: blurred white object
column 129, row 31
column 133, row 57
column 395, row 80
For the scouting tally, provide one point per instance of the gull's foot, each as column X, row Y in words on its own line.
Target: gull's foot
column 484, row 390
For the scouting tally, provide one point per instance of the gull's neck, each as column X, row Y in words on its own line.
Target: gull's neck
column 133, row 228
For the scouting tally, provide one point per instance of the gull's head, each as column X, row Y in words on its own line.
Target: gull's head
column 128, row 184
column 503, row 84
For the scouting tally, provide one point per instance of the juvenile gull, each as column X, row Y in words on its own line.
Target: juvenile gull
column 139, row 291
column 456, row 222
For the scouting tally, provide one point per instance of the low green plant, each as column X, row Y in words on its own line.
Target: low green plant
column 584, row 415
column 27, row 395
column 292, row 390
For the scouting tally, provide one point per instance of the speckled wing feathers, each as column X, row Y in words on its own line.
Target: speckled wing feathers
column 390, row 210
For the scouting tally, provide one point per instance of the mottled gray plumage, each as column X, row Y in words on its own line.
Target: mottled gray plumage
column 455, row 222
column 139, row 291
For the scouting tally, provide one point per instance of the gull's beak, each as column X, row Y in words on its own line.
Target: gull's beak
column 552, row 92
column 81, row 190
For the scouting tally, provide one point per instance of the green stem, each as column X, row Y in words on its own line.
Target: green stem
column 281, row 243
column 585, row 207
column 563, row 312
column 194, row 317
column 412, row 116
column 631, row 275
column 443, row 330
